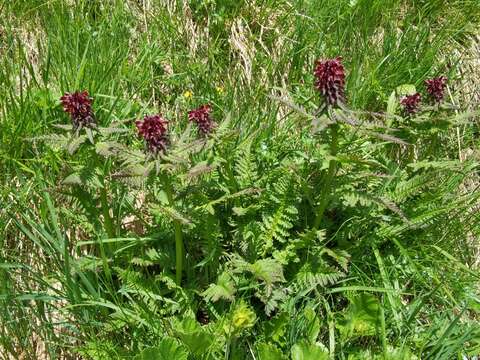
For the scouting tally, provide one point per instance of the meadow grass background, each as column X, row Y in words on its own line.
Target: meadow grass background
column 140, row 57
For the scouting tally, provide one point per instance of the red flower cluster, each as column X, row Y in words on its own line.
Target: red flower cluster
column 79, row 106
column 436, row 87
column 411, row 103
column 330, row 80
column 153, row 129
column 202, row 117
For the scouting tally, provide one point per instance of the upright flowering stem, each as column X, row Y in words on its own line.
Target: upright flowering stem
column 105, row 251
column 78, row 105
column 179, row 246
column 332, row 170
column 109, row 227
column 153, row 129
column 108, row 222
column 330, row 83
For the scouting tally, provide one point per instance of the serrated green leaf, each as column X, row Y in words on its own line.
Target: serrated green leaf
column 172, row 213
column 72, row 179
column 405, row 90
column 90, row 135
column 268, row 270
column 168, row 349
column 269, row 352
column 305, row 351
column 361, row 317
column 194, row 336
column 223, row 289
column 75, row 143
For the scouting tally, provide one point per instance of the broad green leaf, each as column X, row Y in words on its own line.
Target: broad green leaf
column 313, row 328
column 275, row 328
column 392, row 104
column 194, row 336
column 269, row 352
column 305, row 351
column 361, row 317
column 168, row 349
column 223, row 289
column 405, row 89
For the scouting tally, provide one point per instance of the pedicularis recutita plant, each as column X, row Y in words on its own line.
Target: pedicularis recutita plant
column 214, row 191
column 153, row 129
column 330, row 82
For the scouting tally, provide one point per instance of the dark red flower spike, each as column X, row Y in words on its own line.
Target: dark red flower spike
column 436, row 88
column 153, row 129
column 79, row 106
column 330, row 80
column 202, row 116
column 411, row 103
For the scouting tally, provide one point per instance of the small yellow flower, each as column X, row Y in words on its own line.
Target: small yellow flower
column 220, row 89
column 188, row 94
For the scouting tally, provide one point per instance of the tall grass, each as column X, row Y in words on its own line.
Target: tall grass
column 407, row 219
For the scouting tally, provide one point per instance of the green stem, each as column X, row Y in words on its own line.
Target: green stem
column 108, row 221
column 327, row 185
column 179, row 246
column 108, row 224
column 109, row 228
column 179, row 251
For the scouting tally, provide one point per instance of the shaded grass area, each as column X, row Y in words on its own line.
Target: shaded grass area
column 60, row 298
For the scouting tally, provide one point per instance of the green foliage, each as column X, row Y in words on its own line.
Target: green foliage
column 361, row 317
column 168, row 348
column 223, row 289
column 269, row 352
column 193, row 336
column 303, row 351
